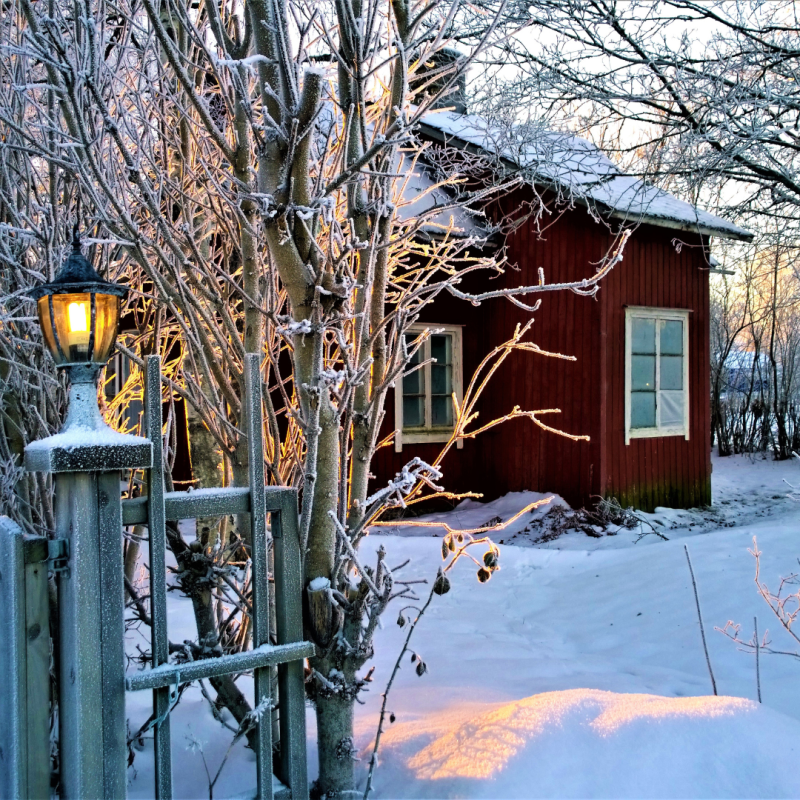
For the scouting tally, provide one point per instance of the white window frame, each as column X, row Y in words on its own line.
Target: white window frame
column 658, row 314
column 428, row 434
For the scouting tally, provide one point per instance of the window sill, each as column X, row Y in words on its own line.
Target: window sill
column 655, row 433
column 424, row 436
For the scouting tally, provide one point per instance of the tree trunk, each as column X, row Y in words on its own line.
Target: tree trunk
column 208, row 471
column 335, row 742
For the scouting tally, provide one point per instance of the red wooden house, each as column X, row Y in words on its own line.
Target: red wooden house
column 640, row 385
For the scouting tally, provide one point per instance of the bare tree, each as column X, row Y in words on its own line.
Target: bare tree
column 700, row 97
column 242, row 166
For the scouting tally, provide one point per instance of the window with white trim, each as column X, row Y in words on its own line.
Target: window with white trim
column 424, row 396
column 656, row 373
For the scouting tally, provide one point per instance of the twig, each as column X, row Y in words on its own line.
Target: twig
column 758, row 666
column 374, row 757
column 700, row 618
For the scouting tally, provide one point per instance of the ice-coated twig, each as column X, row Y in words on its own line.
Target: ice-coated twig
column 373, row 760
column 758, row 664
column 700, row 619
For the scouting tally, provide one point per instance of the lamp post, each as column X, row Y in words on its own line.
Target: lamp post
column 79, row 314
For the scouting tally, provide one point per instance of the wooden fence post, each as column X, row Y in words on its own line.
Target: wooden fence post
column 24, row 666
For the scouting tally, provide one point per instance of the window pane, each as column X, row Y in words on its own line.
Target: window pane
column 441, row 379
column 672, row 337
column 442, row 411
column 442, row 348
column 671, row 372
column 414, row 383
column 643, row 373
column 413, row 412
column 670, row 408
column 643, row 335
column 643, row 409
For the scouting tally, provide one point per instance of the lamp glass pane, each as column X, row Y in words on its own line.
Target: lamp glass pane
column 72, row 315
column 105, row 329
column 46, row 323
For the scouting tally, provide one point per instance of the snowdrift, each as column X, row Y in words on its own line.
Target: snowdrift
column 591, row 743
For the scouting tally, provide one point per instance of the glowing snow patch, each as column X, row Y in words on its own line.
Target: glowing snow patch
column 481, row 747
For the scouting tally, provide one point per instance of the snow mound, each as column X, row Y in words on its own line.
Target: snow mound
column 471, row 514
column 591, row 743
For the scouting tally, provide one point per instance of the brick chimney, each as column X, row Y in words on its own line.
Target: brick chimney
column 436, row 70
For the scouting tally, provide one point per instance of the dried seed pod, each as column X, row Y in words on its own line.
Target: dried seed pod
column 422, row 668
column 484, row 574
column 442, row 584
column 392, row 717
column 413, row 657
column 401, row 620
column 490, row 559
column 451, row 544
column 445, row 549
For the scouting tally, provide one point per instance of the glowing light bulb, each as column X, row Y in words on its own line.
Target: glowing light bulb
column 77, row 317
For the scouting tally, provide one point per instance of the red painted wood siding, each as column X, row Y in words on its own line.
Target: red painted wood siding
column 666, row 471
column 519, row 456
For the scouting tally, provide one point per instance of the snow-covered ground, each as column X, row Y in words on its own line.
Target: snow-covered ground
column 577, row 670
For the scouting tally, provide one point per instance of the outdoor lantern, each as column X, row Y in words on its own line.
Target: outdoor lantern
column 79, row 315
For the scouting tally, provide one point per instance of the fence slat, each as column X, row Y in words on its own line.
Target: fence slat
column 266, row 656
column 156, row 525
column 289, row 587
column 37, row 645
column 201, row 503
column 259, row 555
column 24, row 666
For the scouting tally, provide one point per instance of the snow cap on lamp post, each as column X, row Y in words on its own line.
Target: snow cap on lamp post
column 79, row 316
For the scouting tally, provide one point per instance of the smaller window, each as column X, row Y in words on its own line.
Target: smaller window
column 424, row 405
column 656, row 373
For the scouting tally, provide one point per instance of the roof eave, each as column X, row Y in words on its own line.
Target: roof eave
column 676, row 225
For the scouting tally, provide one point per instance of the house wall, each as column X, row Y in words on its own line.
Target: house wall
column 665, row 471
column 517, row 455
column 589, row 391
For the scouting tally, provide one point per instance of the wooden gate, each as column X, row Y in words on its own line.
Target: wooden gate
column 257, row 500
column 86, row 557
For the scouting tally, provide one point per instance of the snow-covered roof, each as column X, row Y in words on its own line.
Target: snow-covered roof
column 421, row 194
column 580, row 169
